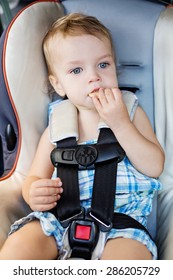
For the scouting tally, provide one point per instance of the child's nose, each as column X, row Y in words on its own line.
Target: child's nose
column 94, row 77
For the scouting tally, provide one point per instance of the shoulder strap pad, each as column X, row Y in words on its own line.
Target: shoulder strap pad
column 63, row 121
column 131, row 101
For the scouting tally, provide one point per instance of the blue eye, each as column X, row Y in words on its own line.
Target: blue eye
column 103, row 64
column 77, row 70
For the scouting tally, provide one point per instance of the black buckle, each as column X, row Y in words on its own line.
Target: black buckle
column 83, row 237
column 85, row 156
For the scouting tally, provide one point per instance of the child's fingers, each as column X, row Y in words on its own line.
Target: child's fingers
column 43, row 207
column 47, row 191
column 102, row 96
column 46, row 187
column 58, row 181
column 45, row 203
column 109, row 96
column 95, row 100
column 117, row 93
column 105, row 96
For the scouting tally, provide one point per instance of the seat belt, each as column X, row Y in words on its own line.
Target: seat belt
column 62, row 158
column 103, row 197
column 69, row 157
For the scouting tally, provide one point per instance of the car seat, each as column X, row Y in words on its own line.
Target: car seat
column 138, row 28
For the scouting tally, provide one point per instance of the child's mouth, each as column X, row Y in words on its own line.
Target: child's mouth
column 95, row 90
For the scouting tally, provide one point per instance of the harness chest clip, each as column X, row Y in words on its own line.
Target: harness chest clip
column 83, row 237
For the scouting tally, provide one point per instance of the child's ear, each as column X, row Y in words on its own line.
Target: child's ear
column 56, row 85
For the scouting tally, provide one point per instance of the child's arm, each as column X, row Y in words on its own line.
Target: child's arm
column 39, row 190
column 137, row 137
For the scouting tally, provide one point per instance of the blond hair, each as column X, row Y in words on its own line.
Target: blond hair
column 74, row 24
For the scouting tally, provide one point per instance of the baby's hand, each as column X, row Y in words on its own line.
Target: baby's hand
column 111, row 108
column 44, row 194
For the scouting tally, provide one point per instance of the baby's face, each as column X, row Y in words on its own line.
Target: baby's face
column 81, row 65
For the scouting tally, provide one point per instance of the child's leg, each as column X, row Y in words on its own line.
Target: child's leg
column 29, row 243
column 125, row 249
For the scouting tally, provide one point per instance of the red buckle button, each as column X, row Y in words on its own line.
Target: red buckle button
column 83, row 232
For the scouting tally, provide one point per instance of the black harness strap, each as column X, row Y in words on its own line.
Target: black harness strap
column 69, row 204
column 123, row 221
column 64, row 157
column 103, row 157
column 103, row 197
